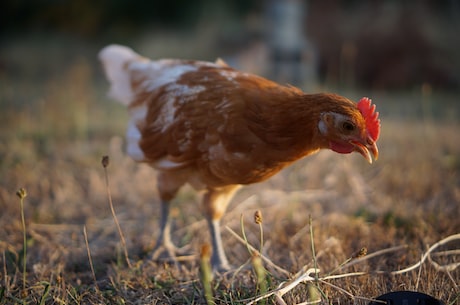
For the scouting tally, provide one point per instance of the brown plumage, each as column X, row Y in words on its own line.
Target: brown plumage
column 216, row 128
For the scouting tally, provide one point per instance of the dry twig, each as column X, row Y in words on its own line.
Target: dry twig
column 305, row 276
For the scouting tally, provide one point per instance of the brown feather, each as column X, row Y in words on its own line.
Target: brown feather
column 239, row 129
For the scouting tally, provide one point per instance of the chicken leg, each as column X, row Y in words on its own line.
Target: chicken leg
column 168, row 185
column 215, row 202
column 164, row 242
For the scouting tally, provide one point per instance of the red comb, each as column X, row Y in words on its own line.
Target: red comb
column 370, row 116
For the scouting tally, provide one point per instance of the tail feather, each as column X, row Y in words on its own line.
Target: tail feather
column 116, row 60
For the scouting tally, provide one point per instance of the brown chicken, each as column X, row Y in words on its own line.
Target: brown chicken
column 217, row 128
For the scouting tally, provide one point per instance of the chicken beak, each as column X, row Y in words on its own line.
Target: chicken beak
column 367, row 150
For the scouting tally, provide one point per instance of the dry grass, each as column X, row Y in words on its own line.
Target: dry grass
column 54, row 135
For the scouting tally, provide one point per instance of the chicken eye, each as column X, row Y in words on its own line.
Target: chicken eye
column 348, row 126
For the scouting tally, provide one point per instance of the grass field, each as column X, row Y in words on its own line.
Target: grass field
column 56, row 124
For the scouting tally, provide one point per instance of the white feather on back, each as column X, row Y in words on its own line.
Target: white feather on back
column 133, row 134
column 131, row 75
column 116, row 60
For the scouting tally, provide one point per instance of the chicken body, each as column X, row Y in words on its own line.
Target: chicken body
column 216, row 128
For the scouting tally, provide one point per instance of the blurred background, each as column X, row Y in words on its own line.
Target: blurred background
column 381, row 44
